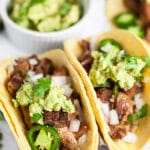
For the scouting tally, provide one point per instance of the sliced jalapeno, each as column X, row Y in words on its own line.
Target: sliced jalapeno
column 33, row 132
column 105, row 45
column 137, row 30
column 124, row 20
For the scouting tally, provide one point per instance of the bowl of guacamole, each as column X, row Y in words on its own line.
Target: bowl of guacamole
column 45, row 15
column 40, row 25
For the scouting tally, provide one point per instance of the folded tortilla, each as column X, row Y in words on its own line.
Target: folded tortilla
column 133, row 46
column 113, row 8
column 13, row 116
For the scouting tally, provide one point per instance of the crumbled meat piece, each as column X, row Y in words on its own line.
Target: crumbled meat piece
column 14, row 82
column 148, row 33
column 132, row 5
column 45, row 66
column 82, row 130
column 73, row 116
column 26, row 117
column 85, row 58
column 87, row 62
column 134, row 90
column 56, row 118
column 22, row 65
column 67, row 139
column 104, row 94
column 60, row 71
column 85, row 45
column 75, row 96
column 118, row 132
column 124, row 106
column 145, row 12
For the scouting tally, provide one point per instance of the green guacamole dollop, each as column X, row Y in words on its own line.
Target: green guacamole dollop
column 45, row 15
column 117, row 66
column 31, row 94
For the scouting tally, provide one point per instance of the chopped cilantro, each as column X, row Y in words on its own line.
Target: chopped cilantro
column 36, row 117
column 41, row 87
column 147, row 61
column 131, row 62
column 132, row 118
column 116, row 89
column 143, row 111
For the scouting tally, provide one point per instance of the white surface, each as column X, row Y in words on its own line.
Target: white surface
column 97, row 24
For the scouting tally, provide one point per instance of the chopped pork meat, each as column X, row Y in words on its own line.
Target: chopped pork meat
column 61, row 71
column 14, row 82
column 134, row 90
column 56, row 118
column 86, row 58
column 132, row 5
column 45, row 66
column 67, row 139
column 117, row 131
column 82, row 130
column 124, row 106
column 104, row 94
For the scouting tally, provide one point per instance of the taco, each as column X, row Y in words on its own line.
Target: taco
column 131, row 15
column 116, row 78
column 45, row 104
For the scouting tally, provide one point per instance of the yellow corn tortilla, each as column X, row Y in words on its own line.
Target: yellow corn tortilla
column 13, row 116
column 113, row 8
column 133, row 46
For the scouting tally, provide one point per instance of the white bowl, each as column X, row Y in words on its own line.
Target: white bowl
column 35, row 42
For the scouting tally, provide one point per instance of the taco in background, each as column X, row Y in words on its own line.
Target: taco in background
column 131, row 15
column 116, row 78
column 44, row 101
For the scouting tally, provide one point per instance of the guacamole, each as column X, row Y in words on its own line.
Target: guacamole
column 42, row 95
column 114, row 65
column 45, row 15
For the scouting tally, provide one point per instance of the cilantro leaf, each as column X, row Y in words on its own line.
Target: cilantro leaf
column 36, row 117
column 41, row 87
column 147, row 61
column 116, row 90
column 132, row 118
column 143, row 111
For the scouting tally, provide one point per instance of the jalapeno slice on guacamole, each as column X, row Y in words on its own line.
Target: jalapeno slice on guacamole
column 46, row 15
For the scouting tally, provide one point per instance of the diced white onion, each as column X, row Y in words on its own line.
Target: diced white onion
column 113, row 117
column 60, row 80
column 139, row 102
column 146, row 146
column 105, row 109
column 67, row 90
column 33, row 61
column 74, row 125
column 36, row 77
column 31, row 73
column 146, row 79
column 130, row 138
column 106, row 48
column 82, row 139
